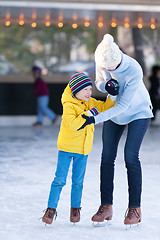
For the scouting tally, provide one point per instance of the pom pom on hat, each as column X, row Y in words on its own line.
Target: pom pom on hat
column 107, row 53
column 79, row 81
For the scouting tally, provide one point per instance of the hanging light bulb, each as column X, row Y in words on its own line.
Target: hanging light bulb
column 34, row 16
column 60, row 23
column 86, row 23
column 114, row 22
column 74, row 25
column 34, row 24
column 48, row 23
column 100, row 22
column 140, row 23
column 126, row 22
column 21, row 19
column 8, row 22
column 153, row 26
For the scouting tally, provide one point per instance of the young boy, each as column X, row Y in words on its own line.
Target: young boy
column 74, row 144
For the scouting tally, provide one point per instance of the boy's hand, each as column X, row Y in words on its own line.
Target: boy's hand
column 89, row 120
column 112, row 87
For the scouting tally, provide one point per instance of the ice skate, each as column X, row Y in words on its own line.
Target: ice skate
column 49, row 215
column 132, row 217
column 37, row 124
column 75, row 215
column 104, row 213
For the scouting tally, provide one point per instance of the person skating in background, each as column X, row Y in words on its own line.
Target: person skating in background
column 154, row 90
column 41, row 92
column 73, row 144
column 133, row 110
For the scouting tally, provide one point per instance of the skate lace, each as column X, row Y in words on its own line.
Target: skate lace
column 75, row 211
column 102, row 209
column 51, row 213
column 130, row 212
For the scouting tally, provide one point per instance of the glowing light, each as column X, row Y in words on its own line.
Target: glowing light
column 86, row 24
column 126, row 23
column 100, row 24
column 60, row 24
column 7, row 23
column 34, row 24
column 140, row 23
column 48, row 24
column 74, row 25
column 153, row 26
column 21, row 22
column 114, row 23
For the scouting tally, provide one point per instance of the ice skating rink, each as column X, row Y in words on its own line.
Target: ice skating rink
column 28, row 159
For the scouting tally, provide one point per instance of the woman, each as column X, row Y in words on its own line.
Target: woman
column 133, row 109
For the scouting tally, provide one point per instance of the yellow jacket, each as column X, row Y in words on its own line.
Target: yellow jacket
column 69, row 139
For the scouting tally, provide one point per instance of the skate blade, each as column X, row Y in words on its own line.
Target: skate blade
column 101, row 224
column 129, row 227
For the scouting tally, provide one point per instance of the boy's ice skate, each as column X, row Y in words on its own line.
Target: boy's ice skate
column 104, row 213
column 75, row 215
column 50, row 213
column 132, row 217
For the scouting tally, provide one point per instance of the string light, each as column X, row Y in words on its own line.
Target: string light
column 74, row 25
column 126, row 22
column 87, row 23
column 60, row 24
column 21, row 19
column 153, row 26
column 114, row 22
column 8, row 22
column 140, row 23
column 34, row 24
column 34, row 16
column 48, row 24
column 100, row 22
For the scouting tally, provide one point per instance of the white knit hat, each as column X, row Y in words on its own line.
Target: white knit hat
column 107, row 53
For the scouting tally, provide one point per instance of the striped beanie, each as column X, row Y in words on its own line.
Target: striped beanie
column 79, row 81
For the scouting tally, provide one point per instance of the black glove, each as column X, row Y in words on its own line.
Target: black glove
column 112, row 87
column 89, row 120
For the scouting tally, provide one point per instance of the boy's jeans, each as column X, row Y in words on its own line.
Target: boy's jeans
column 78, row 172
column 111, row 135
column 43, row 109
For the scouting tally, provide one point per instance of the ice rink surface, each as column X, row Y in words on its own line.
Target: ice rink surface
column 28, row 159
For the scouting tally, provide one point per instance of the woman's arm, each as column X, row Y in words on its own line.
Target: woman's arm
column 101, row 78
column 124, row 102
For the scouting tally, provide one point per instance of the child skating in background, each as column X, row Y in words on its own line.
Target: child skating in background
column 74, row 144
column 41, row 92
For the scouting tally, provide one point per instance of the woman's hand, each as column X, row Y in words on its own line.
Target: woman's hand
column 89, row 120
column 112, row 87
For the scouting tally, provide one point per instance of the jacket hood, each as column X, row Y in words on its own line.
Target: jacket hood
column 68, row 96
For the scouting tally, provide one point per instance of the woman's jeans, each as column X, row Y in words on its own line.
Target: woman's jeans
column 78, row 172
column 111, row 135
column 43, row 109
